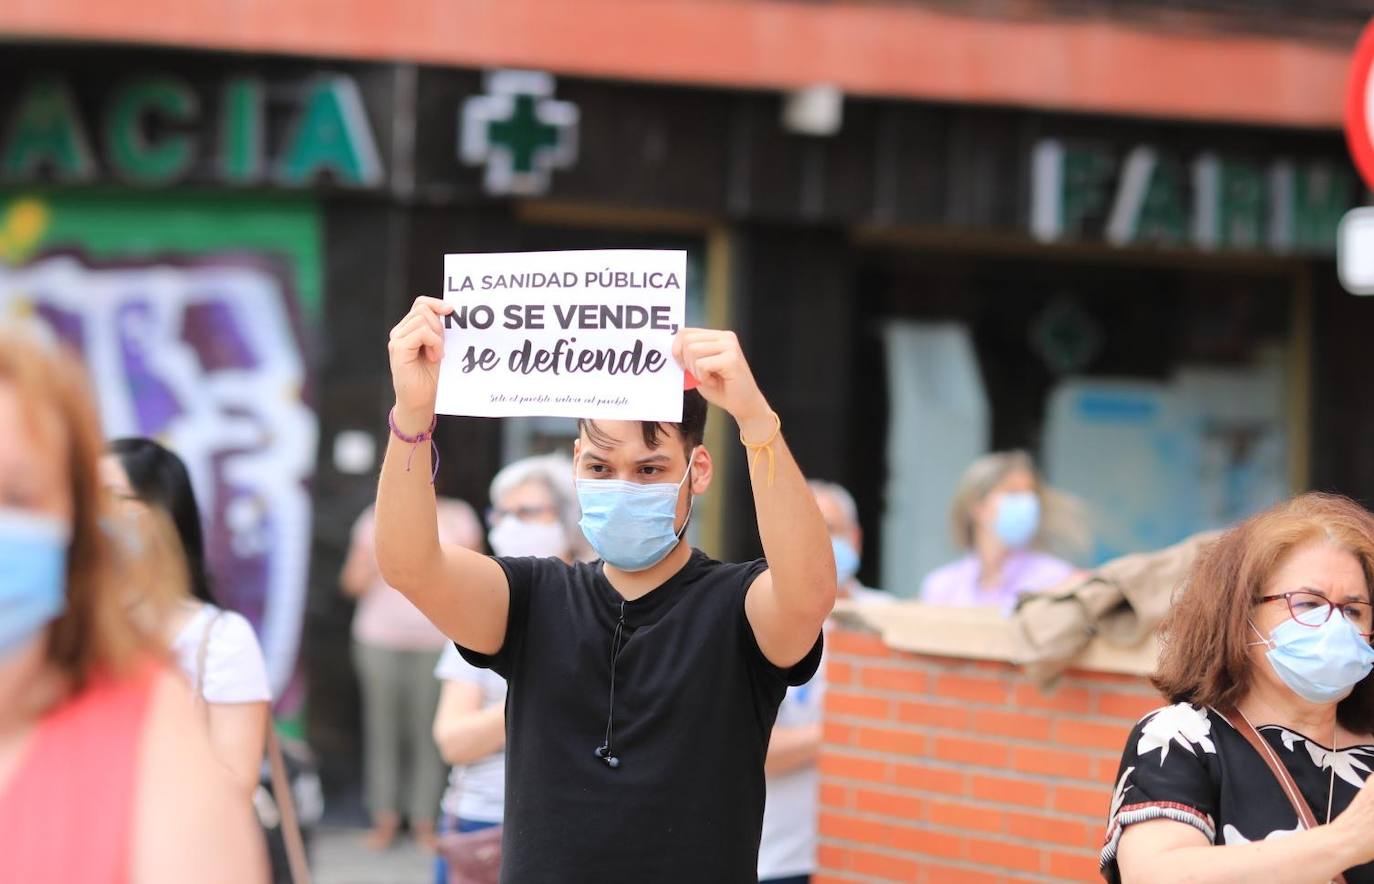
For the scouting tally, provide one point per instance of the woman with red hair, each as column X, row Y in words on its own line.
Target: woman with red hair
column 1258, row 772
column 105, row 775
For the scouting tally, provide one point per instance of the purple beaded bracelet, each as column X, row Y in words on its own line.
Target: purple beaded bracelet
column 426, row 436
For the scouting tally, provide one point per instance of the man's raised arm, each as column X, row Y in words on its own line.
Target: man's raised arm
column 462, row 592
column 789, row 602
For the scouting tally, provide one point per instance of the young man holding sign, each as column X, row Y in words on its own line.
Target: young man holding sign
column 642, row 687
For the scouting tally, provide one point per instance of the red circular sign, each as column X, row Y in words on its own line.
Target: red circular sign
column 1359, row 107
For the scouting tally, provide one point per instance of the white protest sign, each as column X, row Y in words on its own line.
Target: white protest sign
column 563, row 334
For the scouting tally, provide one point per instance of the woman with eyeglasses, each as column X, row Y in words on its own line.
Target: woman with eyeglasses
column 534, row 512
column 1258, row 772
column 394, row 651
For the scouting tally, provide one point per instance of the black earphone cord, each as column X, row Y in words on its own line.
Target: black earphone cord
column 606, row 751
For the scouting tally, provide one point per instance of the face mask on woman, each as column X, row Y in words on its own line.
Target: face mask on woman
column 514, row 537
column 33, row 575
column 1321, row 664
column 630, row 525
column 1017, row 518
column 846, row 559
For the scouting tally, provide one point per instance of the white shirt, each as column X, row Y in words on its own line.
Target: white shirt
column 476, row 791
column 235, row 671
column 788, row 845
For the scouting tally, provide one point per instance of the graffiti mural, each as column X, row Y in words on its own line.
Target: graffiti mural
column 203, row 350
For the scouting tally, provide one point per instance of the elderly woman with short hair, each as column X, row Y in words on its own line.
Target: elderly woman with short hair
column 1258, row 771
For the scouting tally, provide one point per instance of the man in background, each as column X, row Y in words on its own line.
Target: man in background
column 787, row 852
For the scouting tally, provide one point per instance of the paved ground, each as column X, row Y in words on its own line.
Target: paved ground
column 340, row 858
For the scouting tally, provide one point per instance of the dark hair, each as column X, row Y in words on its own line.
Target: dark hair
column 692, row 427
column 159, row 478
column 1203, row 658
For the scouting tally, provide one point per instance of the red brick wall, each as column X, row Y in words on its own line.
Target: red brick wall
column 937, row 769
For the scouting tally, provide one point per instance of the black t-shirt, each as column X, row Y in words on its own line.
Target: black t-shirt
column 695, row 701
column 1188, row 764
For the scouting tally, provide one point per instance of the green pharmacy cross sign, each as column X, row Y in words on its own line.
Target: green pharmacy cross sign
column 519, row 132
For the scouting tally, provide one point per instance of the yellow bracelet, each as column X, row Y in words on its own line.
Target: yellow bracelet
column 757, row 448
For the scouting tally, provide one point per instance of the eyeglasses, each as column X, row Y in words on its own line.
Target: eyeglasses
column 1314, row 609
column 523, row 513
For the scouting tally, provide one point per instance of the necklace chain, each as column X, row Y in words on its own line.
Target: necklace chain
column 1331, row 762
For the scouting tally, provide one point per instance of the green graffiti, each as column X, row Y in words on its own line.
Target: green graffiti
column 45, row 130
column 146, row 224
column 23, row 224
column 241, row 131
column 332, row 134
column 132, row 155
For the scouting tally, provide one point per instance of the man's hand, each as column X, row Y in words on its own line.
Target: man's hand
column 786, row 604
column 718, row 363
column 462, row 592
column 416, row 348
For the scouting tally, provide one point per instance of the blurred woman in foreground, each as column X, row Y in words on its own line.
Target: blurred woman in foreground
column 104, row 775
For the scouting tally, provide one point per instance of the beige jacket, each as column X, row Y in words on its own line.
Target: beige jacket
column 1122, row 601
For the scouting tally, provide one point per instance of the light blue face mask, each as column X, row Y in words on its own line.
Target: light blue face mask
column 1017, row 519
column 846, row 559
column 629, row 524
column 121, row 531
column 33, row 575
column 1321, row 664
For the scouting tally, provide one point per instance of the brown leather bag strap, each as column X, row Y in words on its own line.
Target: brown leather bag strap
column 1290, row 788
column 296, row 858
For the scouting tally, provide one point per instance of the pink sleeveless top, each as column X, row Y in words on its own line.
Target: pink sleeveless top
column 66, row 814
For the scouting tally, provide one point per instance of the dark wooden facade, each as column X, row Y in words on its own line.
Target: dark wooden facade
column 915, row 209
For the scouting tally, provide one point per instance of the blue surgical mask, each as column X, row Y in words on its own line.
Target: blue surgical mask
column 124, row 533
column 33, row 575
column 1321, row 664
column 629, row 524
column 846, row 559
column 1017, row 518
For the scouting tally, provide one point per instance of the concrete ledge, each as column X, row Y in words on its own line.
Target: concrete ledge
column 978, row 634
